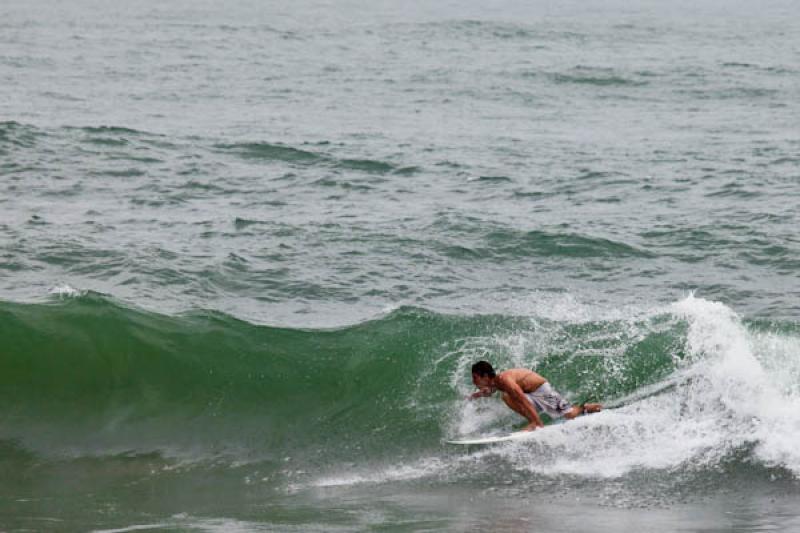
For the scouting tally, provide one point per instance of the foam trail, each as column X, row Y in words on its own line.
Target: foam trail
column 403, row 472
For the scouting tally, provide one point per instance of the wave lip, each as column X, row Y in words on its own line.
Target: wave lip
column 533, row 243
column 271, row 152
column 288, row 154
column 597, row 77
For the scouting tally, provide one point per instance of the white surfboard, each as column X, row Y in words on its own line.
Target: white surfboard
column 492, row 439
column 517, row 435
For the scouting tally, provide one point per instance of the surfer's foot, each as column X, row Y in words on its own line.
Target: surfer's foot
column 588, row 408
column 585, row 409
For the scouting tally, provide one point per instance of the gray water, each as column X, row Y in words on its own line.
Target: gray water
column 316, row 164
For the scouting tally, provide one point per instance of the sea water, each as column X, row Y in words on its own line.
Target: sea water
column 249, row 251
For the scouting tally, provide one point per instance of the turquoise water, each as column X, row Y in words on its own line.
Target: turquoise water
column 249, row 252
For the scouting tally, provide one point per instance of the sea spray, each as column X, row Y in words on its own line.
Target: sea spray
column 718, row 402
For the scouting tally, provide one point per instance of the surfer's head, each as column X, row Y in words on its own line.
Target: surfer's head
column 482, row 374
column 483, row 368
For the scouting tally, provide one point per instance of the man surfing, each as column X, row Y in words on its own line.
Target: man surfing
column 526, row 393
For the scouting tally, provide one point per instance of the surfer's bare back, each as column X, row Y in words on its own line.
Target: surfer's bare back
column 527, row 393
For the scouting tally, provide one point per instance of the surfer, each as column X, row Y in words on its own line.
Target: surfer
column 526, row 393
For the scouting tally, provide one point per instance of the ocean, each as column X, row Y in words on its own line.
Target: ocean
column 250, row 250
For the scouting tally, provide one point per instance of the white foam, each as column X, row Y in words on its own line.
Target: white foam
column 733, row 389
column 566, row 308
column 405, row 472
column 66, row 291
column 184, row 521
column 138, row 527
column 756, row 382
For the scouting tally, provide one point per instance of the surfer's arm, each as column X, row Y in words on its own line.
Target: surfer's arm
column 481, row 393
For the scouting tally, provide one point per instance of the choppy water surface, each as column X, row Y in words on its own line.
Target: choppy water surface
column 248, row 253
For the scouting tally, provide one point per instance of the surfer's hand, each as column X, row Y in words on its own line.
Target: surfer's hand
column 480, row 394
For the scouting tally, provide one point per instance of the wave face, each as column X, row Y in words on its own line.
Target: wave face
column 84, row 376
column 110, row 379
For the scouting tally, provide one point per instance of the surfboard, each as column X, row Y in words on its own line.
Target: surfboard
column 493, row 439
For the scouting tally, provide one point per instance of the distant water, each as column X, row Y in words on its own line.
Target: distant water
column 249, row 250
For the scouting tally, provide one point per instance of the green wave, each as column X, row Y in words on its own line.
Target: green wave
column 103, row 376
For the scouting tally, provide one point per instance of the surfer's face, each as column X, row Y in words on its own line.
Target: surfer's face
column 481, row 382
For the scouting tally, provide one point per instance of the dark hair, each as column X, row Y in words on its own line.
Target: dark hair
column 482, row 368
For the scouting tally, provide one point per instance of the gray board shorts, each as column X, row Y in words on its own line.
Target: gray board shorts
column 547, row 399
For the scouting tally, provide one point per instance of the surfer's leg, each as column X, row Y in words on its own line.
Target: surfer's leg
column 513, row 405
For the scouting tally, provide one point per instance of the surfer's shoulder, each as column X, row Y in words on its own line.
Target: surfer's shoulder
column 506, row 377
column 514, row 373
